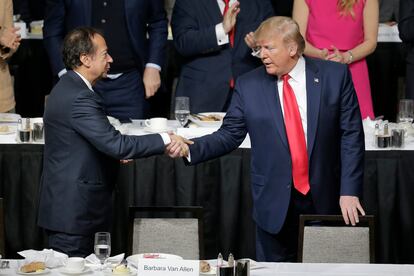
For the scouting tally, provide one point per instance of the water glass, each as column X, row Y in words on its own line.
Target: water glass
column 406, row 111
column 182, row 109
column 102, row 246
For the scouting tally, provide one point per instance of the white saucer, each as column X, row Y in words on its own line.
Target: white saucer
column 71, row 272
column 148, row 129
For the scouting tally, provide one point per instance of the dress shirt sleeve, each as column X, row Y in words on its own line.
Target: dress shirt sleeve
column 189, row 37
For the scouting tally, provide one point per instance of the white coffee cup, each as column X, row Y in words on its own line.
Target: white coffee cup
column 156, row 123
column 75, row 264
column 22, row 31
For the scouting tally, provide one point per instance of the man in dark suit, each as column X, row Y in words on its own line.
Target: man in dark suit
column 82, row 149
column 213, row 48
column 136, row 32
column 406, row 29
column 307, row 140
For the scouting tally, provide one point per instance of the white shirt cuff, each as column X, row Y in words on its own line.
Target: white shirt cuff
column 165, row 138
column 222, row 37
column 188, row 157
column 62, row 72
column 153, row 65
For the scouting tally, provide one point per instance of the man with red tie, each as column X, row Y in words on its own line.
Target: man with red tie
column 307, row 140
column 209, row 35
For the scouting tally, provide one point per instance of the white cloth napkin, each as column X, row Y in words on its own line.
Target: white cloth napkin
column 50, row 257
column 92, row 259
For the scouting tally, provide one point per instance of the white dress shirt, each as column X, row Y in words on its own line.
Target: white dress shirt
column 298, row 83
column 222, row 37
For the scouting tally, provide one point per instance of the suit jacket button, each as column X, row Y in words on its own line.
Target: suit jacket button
column 288, row 186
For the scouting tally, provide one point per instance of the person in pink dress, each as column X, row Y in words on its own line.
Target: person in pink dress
column 344, row 31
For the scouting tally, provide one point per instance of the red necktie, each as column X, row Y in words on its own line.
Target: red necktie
column 296, row 138
column 231, row 34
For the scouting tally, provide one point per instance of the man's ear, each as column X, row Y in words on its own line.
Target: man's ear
column 85, row 60
column 293, row 49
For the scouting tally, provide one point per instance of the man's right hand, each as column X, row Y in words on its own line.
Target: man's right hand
column 9, row 37
column 178, row 146
column 229, row 19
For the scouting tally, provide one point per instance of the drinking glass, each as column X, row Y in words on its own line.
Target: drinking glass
column 102, row 246
column 406, row 111
column 182, row 109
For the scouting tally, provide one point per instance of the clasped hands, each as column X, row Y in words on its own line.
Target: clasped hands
column 335, row 55
column 9, row 37
column 178, row 146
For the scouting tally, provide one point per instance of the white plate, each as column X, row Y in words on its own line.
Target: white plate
column 9, row 117
column 45, row 271
column 201, row 123
column 64, row 270
column 110, row 273
column 133, row 259
column 10, row 130
column 151, row 130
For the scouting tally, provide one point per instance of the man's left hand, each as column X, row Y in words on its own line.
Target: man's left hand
column 152, row 81
column 350, row 206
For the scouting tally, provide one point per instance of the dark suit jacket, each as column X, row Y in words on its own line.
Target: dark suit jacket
column 64, row 15
column 335, row 140
column 207, row 67
column 406, row 27
column 81, row 158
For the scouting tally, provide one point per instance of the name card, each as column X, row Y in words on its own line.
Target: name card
column 168, row 267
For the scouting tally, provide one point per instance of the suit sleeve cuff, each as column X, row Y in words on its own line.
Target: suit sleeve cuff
column 222, row 37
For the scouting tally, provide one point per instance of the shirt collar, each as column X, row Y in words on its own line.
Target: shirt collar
column 88, row 84
column 298, row 70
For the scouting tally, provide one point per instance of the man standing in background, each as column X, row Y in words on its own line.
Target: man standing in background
column 136, row 34
column 210, row 34
column 406, row 29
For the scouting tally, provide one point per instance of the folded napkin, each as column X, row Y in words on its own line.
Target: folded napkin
column 50, row 257
column 92, row 259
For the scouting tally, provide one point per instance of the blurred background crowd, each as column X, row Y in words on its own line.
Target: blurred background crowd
column 190, row 61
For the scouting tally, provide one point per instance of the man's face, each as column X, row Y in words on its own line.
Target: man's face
column 276, row 55
column 100, row 60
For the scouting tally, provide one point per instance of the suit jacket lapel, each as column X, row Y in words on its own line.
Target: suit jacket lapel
column 273, row 103
column 213, row 10
column 313, row 90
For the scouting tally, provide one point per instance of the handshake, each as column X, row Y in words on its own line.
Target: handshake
column 178, row 146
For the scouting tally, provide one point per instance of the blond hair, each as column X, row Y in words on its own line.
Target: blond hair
column 346, row 7
column 284, row 26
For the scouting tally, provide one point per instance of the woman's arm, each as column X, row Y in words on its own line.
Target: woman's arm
column 371, row 11
column 300, row 15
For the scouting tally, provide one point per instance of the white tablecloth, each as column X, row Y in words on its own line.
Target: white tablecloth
column 137, row 128
column 288, row 269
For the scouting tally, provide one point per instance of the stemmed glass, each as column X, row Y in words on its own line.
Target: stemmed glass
column 102, row 246
column 182, row 109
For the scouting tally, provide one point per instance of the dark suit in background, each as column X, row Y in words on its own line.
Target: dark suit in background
column 406, row 29
column 81, row 159
column 335, row 146
column 125, row 24
column 283, row 7
column 208, row 67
